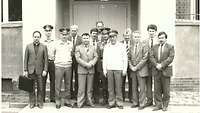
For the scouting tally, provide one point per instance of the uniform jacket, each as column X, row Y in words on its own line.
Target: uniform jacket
column 38, row 62
column 166, row 59
column 82, row 57
column 140, row 58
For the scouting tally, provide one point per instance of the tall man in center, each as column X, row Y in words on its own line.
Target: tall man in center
column 114, row 66
column 86, row 57
column 76, row 40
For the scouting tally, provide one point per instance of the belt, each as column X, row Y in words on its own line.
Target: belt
column 51, row 60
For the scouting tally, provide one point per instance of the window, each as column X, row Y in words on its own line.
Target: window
column 187, row 9
column 11, row 10
column 15, row 10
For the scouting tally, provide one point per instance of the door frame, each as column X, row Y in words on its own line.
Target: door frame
column 128, row 21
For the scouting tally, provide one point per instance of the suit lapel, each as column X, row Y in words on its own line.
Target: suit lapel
column 138, row 48
column 33, row 50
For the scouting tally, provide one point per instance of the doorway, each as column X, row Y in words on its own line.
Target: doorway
column 115, row 15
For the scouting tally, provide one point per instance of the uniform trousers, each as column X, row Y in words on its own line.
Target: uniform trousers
column 51, row 73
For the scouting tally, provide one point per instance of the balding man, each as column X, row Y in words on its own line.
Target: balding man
column 76, row 40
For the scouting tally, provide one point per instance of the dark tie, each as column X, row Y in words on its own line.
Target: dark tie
column 73, row 41
column 136, row 48
column 151, row 42
column 161, row 47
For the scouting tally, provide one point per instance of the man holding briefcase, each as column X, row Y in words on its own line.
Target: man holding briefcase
column 35, row 66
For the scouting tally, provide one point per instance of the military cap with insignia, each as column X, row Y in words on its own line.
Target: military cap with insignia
column 113, row 32
column 64, row 29
column 105, row 30
column 48, row 27
column 93, row 30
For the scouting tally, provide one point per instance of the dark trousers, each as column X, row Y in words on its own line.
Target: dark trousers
column 129, row 86
column 51, row 73
column 149, row 84
column 161, row 89
column 115, row 87
column 63, row 73
column 138, row 88
column 33, row 97
column 100, row 84
column 74, row 79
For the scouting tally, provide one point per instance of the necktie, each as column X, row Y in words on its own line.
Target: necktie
column 127, row 48
column 74, row 41
column 151, row 42
column 160, row 52
column 135, row 51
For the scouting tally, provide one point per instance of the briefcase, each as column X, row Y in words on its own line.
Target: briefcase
column 25, row 83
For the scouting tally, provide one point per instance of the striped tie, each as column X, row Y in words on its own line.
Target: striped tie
column 127, row 48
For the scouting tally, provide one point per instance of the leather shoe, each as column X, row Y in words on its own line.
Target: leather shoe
column 32, row 106
column 120, row 107
column 68, row 105
column 164, row 108
column 134, row 106
column 156, row 108
column 109, row 106
column 58, row 106
column 141, row 107
column 52, row 101
column 148, row 104
column 40, row 106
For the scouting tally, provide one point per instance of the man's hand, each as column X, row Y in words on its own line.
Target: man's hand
column 26, row 73
column 134, row 68
column 124, row 73
column 159, row 66
column 105, row 73
column 88, row 65
column 44, row 73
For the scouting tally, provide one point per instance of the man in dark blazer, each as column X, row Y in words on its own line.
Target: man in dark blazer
column 35, row 66
column 76, row 40
column 151, row 41
column 139, row 70
column 127, row 42
column 161, row 57
column 86, row 57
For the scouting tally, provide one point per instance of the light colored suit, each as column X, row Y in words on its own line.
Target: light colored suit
column 162, row 77
column 85, row 75
column 139, row 59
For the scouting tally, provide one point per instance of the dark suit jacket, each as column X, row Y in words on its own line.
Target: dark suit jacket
column 33, row 62
column 82, row 57
column 166, row 59
column 140, row 58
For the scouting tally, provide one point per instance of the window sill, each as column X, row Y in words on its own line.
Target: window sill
column 187, row 22
column 12, row 24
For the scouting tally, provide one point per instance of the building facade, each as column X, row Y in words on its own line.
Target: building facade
column 180, row 19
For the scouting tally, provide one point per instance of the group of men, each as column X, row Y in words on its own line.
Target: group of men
column 94, row 67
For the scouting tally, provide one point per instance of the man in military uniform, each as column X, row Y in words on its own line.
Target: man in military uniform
column 49, row 42
column 102, row 85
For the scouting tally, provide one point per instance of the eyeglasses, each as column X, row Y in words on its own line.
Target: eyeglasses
column 47, row 30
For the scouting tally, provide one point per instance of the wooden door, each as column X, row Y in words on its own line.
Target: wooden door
column 113, row 15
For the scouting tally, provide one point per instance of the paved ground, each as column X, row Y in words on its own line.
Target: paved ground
column 181, row 102
column 50, row 108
